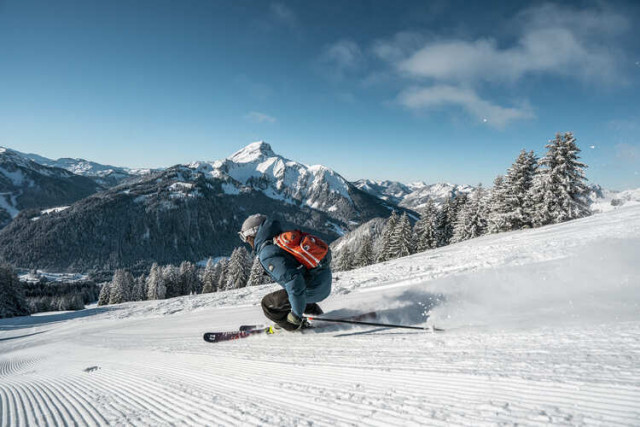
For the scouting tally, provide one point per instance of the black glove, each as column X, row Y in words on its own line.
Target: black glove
column 297, row 322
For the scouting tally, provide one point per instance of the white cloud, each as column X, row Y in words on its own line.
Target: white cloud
column 545, row 40
column 258, row 117
column 550, row 39
column 283, row 14
column 552, row 51
column 436, row 97
column 341, row 58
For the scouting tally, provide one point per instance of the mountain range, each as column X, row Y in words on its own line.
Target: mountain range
column 26, row 184
column 414, row 195
column 77, row 215
column 186, row 212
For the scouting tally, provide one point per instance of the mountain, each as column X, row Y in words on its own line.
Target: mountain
column 603, row 200
column 105, row 175
column 25, row 184
column 187, row 212
column 411, row 196
column 258, row 168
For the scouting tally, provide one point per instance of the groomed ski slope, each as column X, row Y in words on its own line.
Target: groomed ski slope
column 543, row 328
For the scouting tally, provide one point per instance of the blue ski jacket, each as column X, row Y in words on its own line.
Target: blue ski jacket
column 302, row 285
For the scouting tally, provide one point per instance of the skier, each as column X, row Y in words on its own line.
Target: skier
column 303, row 287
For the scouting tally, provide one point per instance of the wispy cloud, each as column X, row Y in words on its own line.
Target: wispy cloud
column 546, row 40
column 257, row 117
column 341, row 58
column 439, row 96
column 282, row 14
column 550, row 40
column 628, row 153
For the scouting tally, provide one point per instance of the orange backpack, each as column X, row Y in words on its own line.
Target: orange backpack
column 307, row 249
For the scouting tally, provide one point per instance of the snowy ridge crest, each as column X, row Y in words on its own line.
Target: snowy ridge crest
column 258, row 167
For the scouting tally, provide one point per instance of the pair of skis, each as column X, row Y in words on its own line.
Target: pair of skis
column 245, row 331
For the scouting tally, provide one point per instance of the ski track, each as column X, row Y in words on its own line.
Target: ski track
column 320, row 381
column 146, row 364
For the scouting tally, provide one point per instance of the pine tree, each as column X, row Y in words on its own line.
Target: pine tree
column 188, row 278
column 121, row 287
column 256, row 275
column 224, row 273
column 171, row 280
column 139, row 292
column 471, row 221
column 345, row 261
column 498, row 210
column 446, row 218
column 156, row 288
column 103, row 298
column 401, row 243
column 559, row 191
column 210, row 278
column 364, row 255
column 238, row 273
column 384, row 250
column 12, row 300
column 425, row 230
column 518, row 183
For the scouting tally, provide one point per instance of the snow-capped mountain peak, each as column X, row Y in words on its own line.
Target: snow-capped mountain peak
column 253, row 152
column 258, row 167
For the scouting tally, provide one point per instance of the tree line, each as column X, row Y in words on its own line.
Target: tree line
column 534, row 192
column 168, row 281
column 44, row 295
column 18, row 298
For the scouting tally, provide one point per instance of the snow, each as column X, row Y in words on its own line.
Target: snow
column 230, row 189
column 252, row 152
column 616, row 199
column 257, row 166
column 9, row 205
column 543, row 327
column 54, row 277
column 16, row 177
column 50, row 211
column 54, row 210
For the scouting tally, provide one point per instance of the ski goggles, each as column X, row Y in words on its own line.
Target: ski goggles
column 248, row 233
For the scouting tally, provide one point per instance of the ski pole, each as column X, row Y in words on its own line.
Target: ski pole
column 385, row 325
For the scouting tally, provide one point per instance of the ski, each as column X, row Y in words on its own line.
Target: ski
column 363, row 316
column 234, row 335
column 245, row 331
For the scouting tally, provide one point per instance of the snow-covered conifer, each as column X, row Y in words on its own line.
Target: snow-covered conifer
column 210, row 277
column 121, row 287
column 401, row 243
column 425, row 228
column 497, row 209
column 238, row 272
column 364, row 254
column 223, row 277
column 559, row 191
column 256, row 275
column 518, row 183
column 103, row 298
column 171, row 280
column 188, row 278
column 156, row 289
column 383, row 249
column 139, row 289
column 471, row 220
column 345, row 261
column 447, row 217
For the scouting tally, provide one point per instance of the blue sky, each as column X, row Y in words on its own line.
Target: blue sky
column 433, row 91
